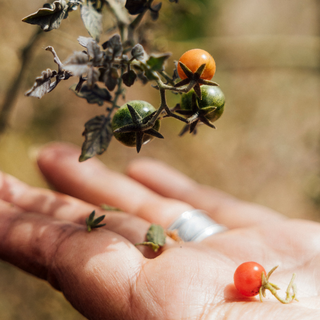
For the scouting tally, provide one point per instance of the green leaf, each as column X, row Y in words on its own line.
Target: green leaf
column 92, row 20
column 49, row 17
column 95, row 95
column 156, row 235
column 98, row 134
column 156, row 62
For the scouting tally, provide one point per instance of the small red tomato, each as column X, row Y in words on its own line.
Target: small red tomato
column 247, row 278
column 193, row 59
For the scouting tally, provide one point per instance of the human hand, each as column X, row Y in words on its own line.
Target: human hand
column 105, row 276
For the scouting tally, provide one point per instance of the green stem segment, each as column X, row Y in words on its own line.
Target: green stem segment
column 291, row 291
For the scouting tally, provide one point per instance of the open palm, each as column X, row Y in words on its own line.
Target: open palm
column 105, row 276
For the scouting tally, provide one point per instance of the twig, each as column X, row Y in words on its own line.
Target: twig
column 13, row 89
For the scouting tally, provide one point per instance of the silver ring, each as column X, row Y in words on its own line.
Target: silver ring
column 195, row 225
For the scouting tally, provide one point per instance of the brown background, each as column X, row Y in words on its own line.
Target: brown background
column 265, row 148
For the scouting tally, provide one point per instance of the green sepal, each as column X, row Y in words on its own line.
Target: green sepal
column 186, row 70
column 200, row 70
column 93, row 223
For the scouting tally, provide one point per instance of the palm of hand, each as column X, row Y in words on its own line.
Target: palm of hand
column 105, row 277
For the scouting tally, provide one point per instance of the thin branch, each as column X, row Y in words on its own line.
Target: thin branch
column 14, row 87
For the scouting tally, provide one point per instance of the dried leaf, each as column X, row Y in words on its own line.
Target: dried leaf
column 98, row 134
column 143, row 78
column 157, row 7
column 114, row 43
column 136, row 6
column 93, row 49
column 129, row 78
column 116, row 6
column 154, row 15
column 111, row 79
column 92, row 20
column 49, row 18
column 92, row 76
column 154, row 11
column 83, row 41
column 42, row 84
column 137, row 52
column 77, row 64
column 95, row 95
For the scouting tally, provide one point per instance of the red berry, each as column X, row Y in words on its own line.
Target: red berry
column 247, row 278
column 193, row 59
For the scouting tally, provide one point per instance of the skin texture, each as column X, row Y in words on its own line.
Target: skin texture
column 105, row 276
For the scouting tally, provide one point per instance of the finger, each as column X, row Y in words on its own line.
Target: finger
column 223, row 208
column 64, row 207
column 72, row 260
column 93, row 182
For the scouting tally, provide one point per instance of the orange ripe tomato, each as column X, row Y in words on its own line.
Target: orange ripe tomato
column 193, row 59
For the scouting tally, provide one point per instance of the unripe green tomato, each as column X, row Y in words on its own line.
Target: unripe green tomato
column 212, row 96
column 123, row 117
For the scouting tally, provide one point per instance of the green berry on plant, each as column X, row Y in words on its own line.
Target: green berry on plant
column 130, row 124
column 212, row 102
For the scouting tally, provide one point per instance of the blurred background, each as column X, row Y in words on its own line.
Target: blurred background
column 266, row 148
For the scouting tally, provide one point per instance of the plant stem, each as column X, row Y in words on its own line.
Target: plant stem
column 134, row 24
column 116, row 94
column 14, row 87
